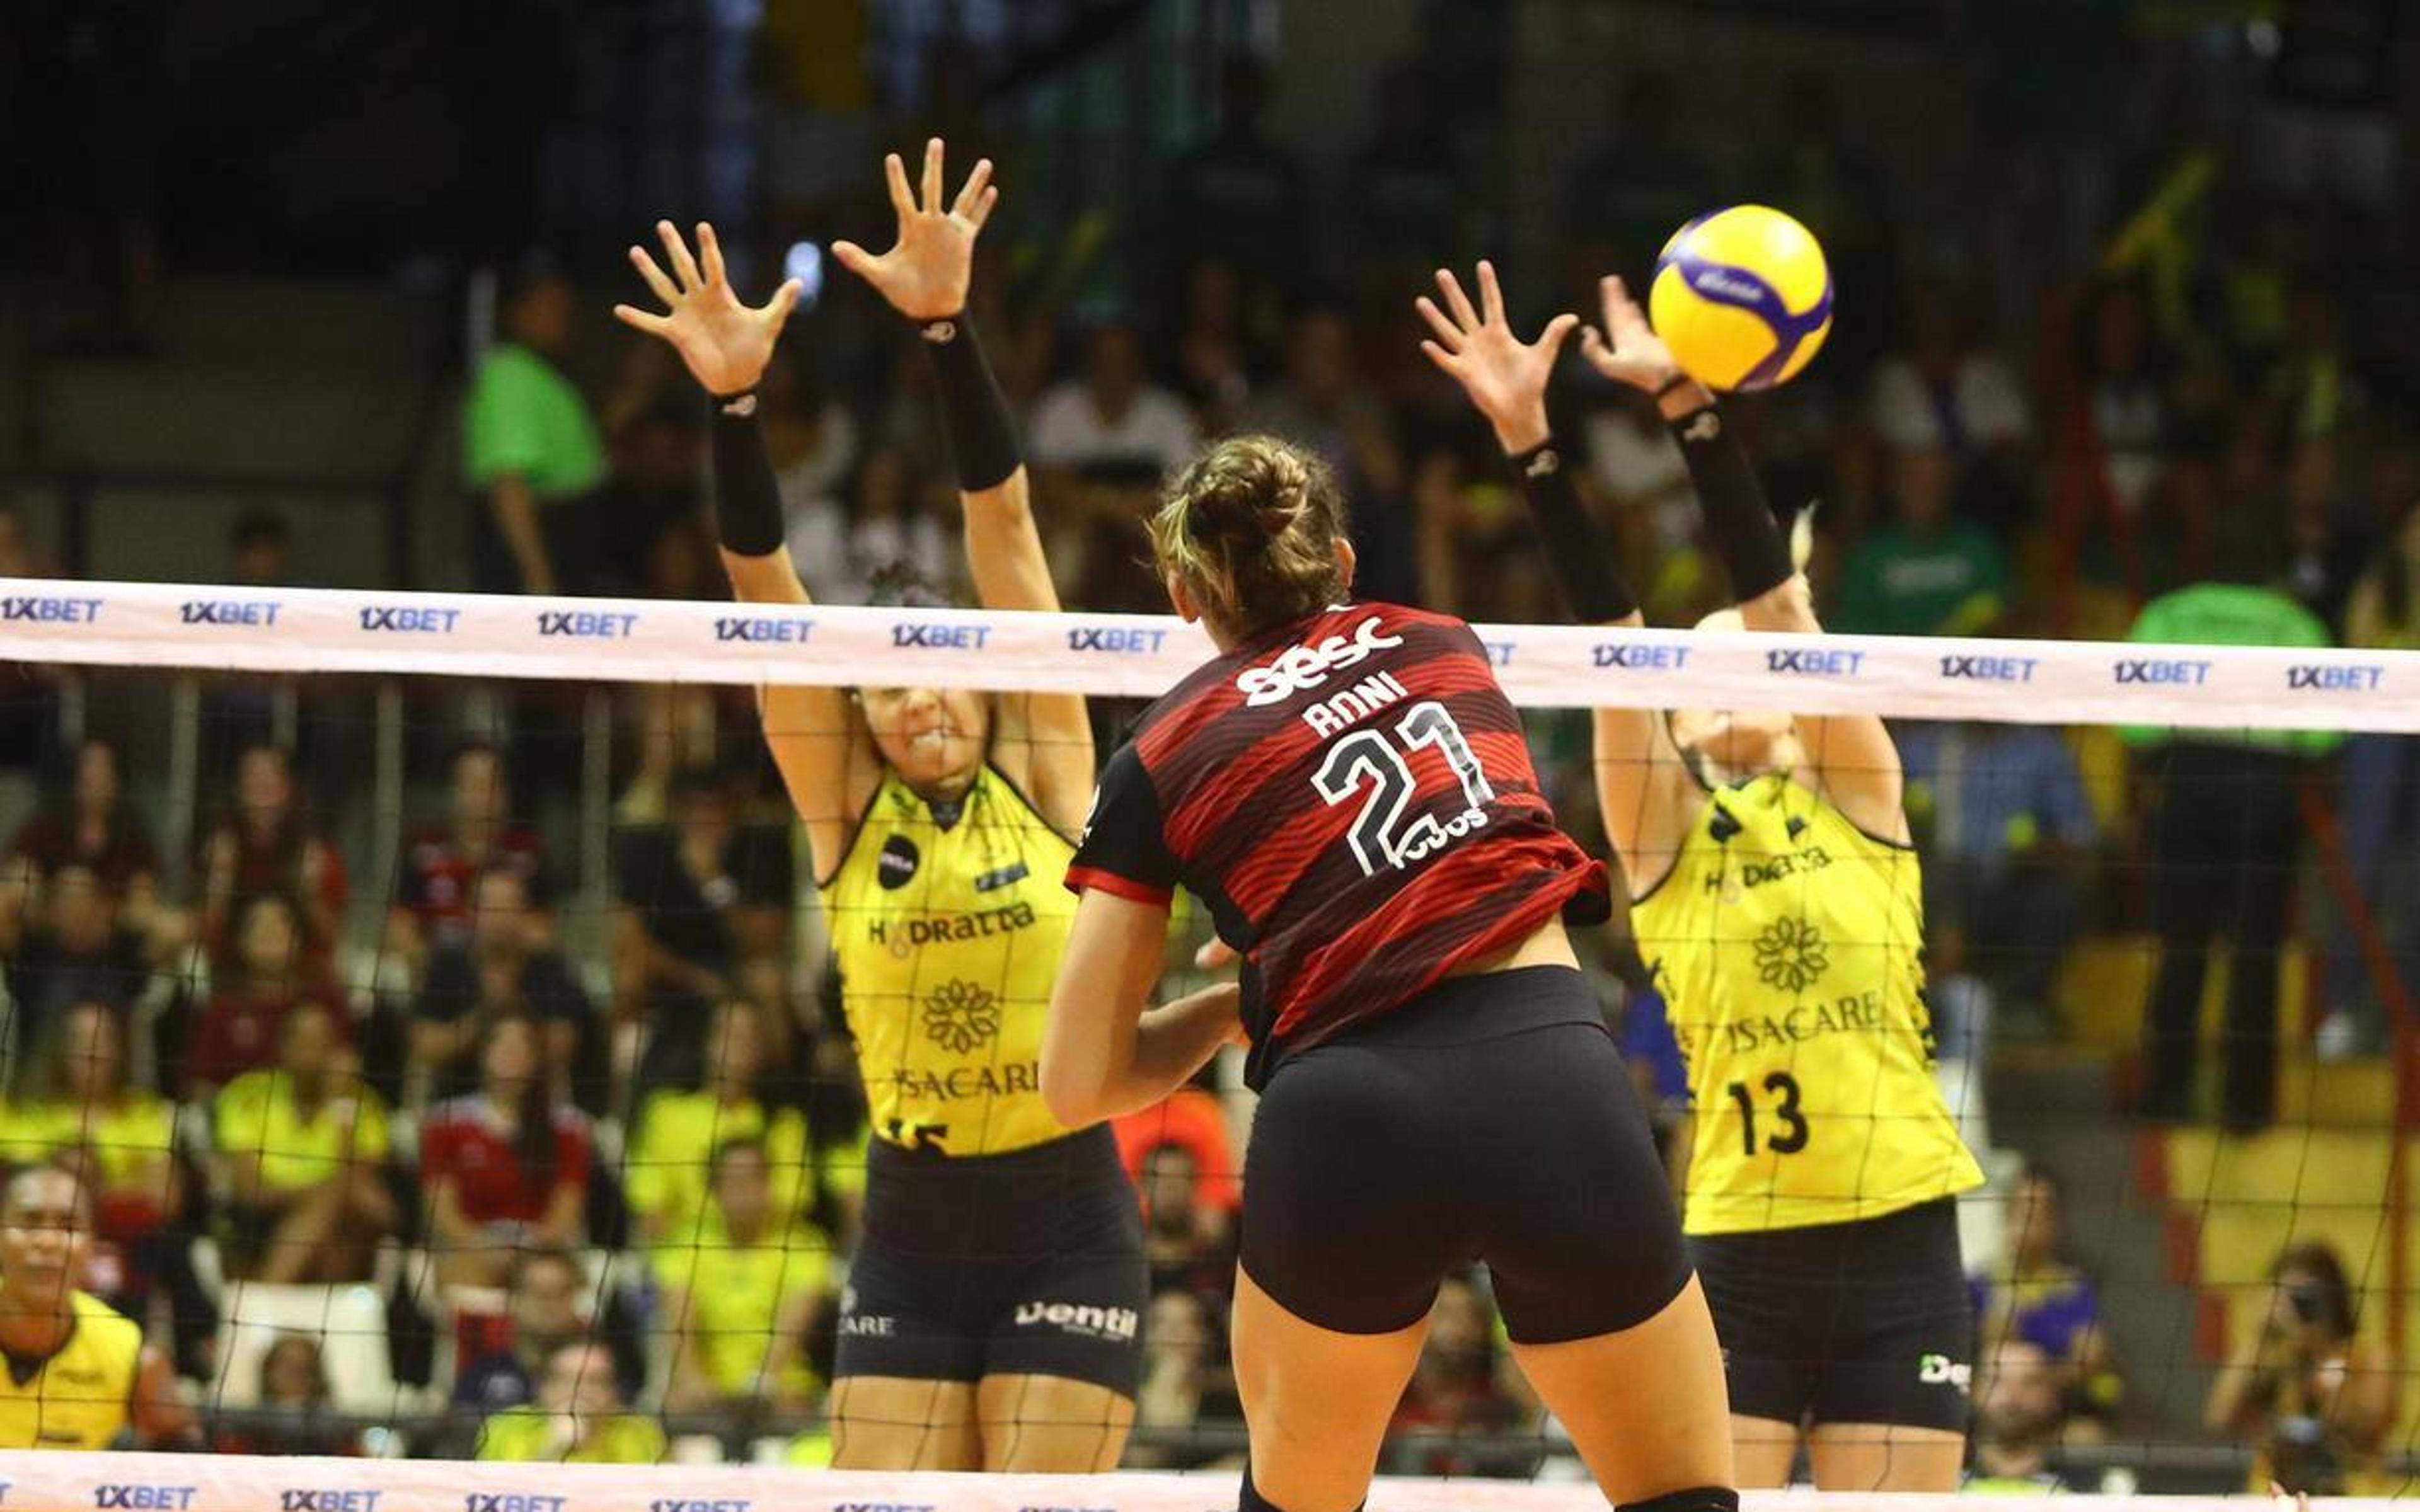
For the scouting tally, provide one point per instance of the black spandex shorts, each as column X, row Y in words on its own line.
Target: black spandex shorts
column 1027, row 1263
column 1488, row 1120
column 1860, row 1322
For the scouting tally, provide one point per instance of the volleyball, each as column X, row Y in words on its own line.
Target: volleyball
column 1743, row 297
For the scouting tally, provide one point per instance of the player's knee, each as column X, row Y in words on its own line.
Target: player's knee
column 1696, row 1499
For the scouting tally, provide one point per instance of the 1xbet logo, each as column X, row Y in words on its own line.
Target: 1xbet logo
column 2333, row 679
column 408, row 619
column 763, row 632
column 587, row 625
column 1796, row 663
column 1989, row 669
column 51, row 610
column 227, row 611
column 940, row 636
column 1636, row 658
column 308, row 1500
column 144, row 1498
column 510, row 1502
column 2163, row 673
column 1116, row 640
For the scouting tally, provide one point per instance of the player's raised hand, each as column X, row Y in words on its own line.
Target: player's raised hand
column 1505, row 376
column 725, row 343
column 925, row 273
column 1628, row 351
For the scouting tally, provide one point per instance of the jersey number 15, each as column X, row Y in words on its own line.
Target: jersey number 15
column 1378, row 760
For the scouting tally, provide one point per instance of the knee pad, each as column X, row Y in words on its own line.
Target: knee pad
column 1696, row 1499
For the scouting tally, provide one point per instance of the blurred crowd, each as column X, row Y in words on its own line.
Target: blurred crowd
column 605, row 1171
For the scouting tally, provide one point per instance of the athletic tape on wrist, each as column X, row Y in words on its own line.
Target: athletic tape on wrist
column 1577, row 551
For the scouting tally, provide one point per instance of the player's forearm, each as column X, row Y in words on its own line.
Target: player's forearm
column 748, row 518
column 1172, row 1042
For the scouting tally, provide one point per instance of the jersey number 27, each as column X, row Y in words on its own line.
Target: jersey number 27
column 1379, row 762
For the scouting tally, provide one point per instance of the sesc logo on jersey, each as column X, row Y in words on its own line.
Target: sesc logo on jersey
column 1301, row 668
column 1940, row 1370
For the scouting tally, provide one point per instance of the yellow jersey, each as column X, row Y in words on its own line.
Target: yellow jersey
column 948, row 928
column 1788, row 945
column 81, row 1396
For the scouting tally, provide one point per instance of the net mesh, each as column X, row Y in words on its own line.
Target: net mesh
column 461, row 1064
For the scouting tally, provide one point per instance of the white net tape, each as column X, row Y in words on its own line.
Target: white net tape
column 234, row 1482
column 329, row 630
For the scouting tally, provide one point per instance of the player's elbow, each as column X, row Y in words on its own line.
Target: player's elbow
column 1071, row 1091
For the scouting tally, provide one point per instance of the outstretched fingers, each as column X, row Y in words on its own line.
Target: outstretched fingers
column 972, row 201
column 654, row 325
column 710, row 255
column 663, row 287
column 894, row 173
column 684, row 265
column 1491, row 295
column 1623, row 318
column 778, row 308
column 1450, row 335
column 1456, row 301
column 1559, row 330
column 930, row 201
column 1448, row 362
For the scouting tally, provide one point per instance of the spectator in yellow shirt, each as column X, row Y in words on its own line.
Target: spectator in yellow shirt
column 736, row 1290
column 302, row 1147
column 579, row 1418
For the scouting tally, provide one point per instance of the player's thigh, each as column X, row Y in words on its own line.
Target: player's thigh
column 1763, row 1452
column 1885, row 1457
column 1317, row 1401
column 1050, row 1424
column 1645, row 1407
column 901, row 1423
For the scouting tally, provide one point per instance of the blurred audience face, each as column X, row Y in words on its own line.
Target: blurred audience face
column 1168, row 1174
column 1920, row 482
column 1114, row 366
column 266, row 941
column 743, row 1190
column 308, row 1050
column 500, row 913
column 1460, row 1325
column 701, row 809
column 98, row 784
column 509, row 1060
column 260, row 549
column 81, row 910
column 1212, row 299
column 45, row 1233
column 580, row 1380
column 546, row 1304
column 2017, row 1400
column 539, row 316
column 2032, row 1221
column 264, row 784
column 481, row 800
column 1322, row 359
column 292, row 1373
column 92, row 1051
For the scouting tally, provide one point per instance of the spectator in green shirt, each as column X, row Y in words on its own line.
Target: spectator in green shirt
column 531, row 448
column 2224, row 837
column 579, row 1418
column 1926, row 573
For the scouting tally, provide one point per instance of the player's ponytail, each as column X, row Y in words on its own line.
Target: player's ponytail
column 1250, row 528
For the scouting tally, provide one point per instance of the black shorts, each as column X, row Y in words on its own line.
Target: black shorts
column 1487, row 1120
column 1027, row 1263
column 1859, row 1322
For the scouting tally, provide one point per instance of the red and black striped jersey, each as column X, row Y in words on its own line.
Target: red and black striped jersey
column 1353, row 797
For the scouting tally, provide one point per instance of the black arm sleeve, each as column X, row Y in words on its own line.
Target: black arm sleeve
column 747, row 502
column 1577, row 550
column 1124, row 848
column 1739, row 522
column 974, row 410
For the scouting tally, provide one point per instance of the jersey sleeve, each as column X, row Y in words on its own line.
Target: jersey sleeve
column 1123, row 851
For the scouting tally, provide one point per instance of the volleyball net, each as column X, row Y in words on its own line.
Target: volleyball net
column 384, row 861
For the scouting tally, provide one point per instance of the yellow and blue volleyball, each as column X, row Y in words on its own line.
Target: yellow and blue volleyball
column 1743, row 297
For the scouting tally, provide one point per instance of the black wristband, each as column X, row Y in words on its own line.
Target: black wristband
column 1575, row 548
column 974, row 410
column 1739, row 523
column 747, row 502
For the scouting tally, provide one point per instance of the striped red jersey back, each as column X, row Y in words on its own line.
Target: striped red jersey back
column 1353, row 796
